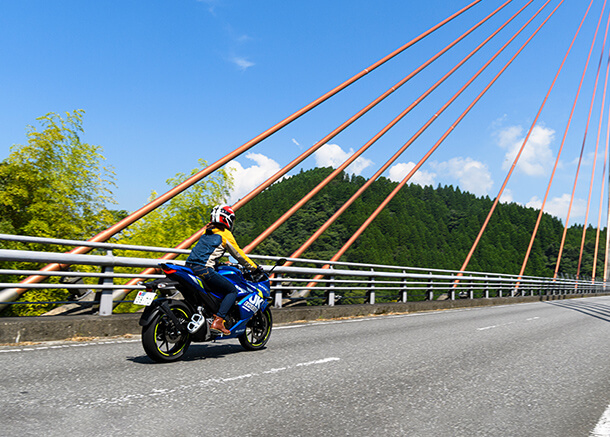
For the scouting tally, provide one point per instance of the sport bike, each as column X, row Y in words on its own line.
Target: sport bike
column 169, row 325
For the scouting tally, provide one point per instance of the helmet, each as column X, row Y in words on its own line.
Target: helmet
column 224, row 215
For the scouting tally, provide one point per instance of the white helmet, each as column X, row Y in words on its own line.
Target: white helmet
column 223, row 214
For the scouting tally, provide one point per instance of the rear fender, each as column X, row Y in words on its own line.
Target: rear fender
column 158, row 306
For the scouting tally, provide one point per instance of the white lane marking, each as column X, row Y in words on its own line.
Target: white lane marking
column 505, row 324
column 325, row 360
column 129, row 398
column 602, row 429
column 494, row 326
column 61, row 346
column 361, row 319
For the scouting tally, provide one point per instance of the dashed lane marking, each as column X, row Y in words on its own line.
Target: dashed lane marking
column 505, row 324
column 156, row 392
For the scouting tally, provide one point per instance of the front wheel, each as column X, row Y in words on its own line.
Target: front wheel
column 162, row 340
column 258, row 330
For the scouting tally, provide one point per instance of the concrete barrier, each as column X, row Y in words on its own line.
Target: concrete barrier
column 37, row 329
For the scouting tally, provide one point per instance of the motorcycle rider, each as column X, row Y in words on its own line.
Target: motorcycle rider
column 213, row 244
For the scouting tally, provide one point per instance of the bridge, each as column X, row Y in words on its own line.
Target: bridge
column 481, row 369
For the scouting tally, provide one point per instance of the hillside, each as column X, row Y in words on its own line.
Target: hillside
column 423, row 227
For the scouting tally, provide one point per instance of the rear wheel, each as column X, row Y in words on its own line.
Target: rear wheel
column 258, row 330
column 162, row 340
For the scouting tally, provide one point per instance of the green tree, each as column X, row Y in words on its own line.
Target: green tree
column 54, row 186
column 183, row 215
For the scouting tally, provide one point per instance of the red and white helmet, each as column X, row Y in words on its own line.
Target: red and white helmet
column 224, row 215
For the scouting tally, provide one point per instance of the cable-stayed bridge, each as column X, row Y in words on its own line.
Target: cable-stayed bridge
column 532, row 369
column 483, row 47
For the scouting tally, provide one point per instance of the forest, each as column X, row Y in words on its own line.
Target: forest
column 421, row 227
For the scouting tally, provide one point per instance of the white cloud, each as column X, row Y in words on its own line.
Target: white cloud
column 473, row 176
column 558, row 206
column 421, row 177
column 536, row 158
column 247, row 179
column 332, row 155
column 242, row 63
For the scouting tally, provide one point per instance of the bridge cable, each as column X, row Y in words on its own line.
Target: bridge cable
column 241, row 202
column 565, row 229
column 379, row 172
column 10, row 294
column 369, row 143
column 584, row 228
column 605, row 277
column 437, row 144
column 541, row 212
column 497, row 199
column 603, row 177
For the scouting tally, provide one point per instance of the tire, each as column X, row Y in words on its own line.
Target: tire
column 258, row 330
column 160, row 339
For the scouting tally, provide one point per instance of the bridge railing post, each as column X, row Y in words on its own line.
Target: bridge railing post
column 451, row 291
column 404, row 287
column 330, row 299
column 279, row 294
column 430, row 289
column 106, row 294
column 371, row 291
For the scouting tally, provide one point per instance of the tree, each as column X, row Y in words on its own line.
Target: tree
column 183, row 215
column 56, row 185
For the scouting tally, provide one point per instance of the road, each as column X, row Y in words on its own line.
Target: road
column 536, row 369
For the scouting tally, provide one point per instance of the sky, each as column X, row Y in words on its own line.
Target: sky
column 166, row 83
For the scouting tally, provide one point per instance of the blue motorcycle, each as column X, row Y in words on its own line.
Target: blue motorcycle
column 169, row 325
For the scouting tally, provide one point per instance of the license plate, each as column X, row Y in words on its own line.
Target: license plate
column 144, row 298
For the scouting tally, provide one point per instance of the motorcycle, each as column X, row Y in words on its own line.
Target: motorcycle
column 169, row 325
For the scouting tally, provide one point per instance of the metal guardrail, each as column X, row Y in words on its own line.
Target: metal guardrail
column 343, row 282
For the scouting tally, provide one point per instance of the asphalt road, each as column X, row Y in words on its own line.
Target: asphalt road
column 536, row 369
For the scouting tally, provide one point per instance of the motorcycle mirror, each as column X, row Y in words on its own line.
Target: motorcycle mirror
column 279, row 262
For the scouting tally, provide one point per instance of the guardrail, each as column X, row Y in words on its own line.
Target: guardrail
column 343, row 282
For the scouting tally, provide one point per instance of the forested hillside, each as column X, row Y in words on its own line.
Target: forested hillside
column 425, row 227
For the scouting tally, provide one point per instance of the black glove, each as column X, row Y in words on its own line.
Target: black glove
column 258, row 274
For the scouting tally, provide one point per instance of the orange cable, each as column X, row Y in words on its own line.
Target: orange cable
column 244, row 200
column 565, row 229
column 584, row 228
column 360, row 151
column 546, row 195
column 379, row 172
column 601, row 195
column 437, row 144
column 122, row 224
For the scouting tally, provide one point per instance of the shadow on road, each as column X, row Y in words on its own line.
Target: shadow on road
column 197, row 352
column 597, row 310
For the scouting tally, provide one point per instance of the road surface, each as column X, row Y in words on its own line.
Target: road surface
column 535, row 369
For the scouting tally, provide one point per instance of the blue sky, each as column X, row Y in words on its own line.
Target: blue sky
column 165, row 83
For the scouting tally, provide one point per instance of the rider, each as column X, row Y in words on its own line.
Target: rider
column 213, row 244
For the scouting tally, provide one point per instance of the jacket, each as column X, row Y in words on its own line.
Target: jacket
column 213, row 244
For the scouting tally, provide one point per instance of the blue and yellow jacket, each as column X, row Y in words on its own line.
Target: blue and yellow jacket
column 213, row 244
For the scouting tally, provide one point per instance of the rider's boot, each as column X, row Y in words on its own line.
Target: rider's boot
column 218, row 325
